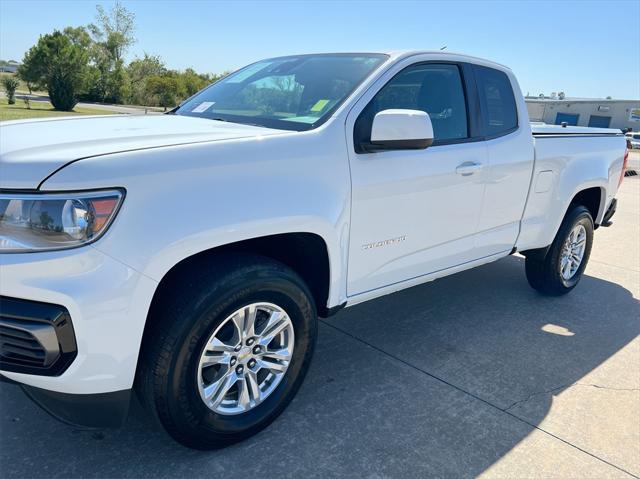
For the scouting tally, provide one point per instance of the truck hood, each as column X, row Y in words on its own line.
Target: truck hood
column 31, row 150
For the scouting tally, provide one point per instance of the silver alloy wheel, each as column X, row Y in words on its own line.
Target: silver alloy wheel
column 245, row 358
column 573, row 252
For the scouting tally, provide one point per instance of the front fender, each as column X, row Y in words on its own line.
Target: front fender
column 186, row 199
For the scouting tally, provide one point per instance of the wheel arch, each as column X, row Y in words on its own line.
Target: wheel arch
column 593, row 198
column 305, row 253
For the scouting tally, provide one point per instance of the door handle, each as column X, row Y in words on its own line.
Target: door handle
column 468, row 168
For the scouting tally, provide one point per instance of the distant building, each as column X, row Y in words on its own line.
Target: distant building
column 594, row 112
column 9, row 67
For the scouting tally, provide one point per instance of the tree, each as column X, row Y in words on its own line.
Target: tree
column 79, row 36
column 59, row 64
column 10, row 83
column 164, row 89
column 111, row 36
column 192, row 82
column 118, row 86
column 139, row 71
column 32, row 70
column 114, row 30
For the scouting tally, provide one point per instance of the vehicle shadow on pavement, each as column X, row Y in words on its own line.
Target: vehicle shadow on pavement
column 443, row 379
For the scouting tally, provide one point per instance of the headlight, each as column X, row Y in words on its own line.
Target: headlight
column 50, row 221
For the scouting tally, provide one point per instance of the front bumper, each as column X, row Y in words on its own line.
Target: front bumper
column 107, row 304
column 105, row 410
column 86, row 410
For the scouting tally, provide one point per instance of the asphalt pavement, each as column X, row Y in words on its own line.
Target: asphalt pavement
column 471, row 375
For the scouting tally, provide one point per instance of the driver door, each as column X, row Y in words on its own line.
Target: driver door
column 414, row 212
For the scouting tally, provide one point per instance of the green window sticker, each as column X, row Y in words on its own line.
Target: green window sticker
column 319, row 106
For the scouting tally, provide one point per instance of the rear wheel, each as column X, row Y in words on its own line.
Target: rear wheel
column 560, row 269
column 228, row 350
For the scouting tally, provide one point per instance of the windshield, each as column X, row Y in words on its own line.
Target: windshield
column 293, row 93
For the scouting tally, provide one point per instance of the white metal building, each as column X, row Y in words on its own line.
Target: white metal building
column 595, row 112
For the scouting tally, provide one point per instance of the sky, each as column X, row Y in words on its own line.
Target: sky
column 584, row 48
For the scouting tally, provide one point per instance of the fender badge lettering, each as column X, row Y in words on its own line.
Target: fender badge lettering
column 379, row 244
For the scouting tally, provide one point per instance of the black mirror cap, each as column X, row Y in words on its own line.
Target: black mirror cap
column 387, row 145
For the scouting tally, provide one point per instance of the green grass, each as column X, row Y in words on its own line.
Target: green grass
column 41, row 109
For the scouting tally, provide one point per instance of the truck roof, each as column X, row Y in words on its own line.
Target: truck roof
column 400, row 54
column 408, row 53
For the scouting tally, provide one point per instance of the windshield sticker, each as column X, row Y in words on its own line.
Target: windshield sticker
column 320, row 104
column 202, row 107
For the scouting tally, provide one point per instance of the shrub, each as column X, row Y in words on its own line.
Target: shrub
column 10, row 83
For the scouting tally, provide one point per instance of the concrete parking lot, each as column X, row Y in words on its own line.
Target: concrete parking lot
column 471, row 375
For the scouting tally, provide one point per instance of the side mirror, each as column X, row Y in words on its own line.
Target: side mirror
column 401, row 130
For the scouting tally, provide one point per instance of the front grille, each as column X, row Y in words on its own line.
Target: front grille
column 35, row 338
column 21, row 347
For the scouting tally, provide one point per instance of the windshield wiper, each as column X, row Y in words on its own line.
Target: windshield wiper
column 236, row 122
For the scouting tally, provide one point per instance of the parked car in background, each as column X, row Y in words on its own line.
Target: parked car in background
column 187, row 256
column 634, row 139
column 633, row 163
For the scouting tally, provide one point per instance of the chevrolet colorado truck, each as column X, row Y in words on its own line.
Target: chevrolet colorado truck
column 187, row 256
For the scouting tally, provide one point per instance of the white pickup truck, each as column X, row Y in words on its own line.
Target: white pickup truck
column 187, row 256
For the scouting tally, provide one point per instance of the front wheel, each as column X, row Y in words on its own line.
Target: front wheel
column 228, row 350
column 560, row 269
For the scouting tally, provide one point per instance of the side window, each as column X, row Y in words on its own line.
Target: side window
column 434, row 88
column 497, row 101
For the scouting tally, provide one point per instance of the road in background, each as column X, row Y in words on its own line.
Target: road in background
column 129, row 109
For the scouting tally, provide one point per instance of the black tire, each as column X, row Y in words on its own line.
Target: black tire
column 181, row 322
column 543, row 271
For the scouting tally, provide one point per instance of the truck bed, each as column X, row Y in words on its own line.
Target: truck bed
column 567, row 160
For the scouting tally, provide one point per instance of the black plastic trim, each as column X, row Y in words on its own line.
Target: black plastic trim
column 103, row 410
column 328, row 312
column 474, row 112
column 6, row 380
column 417, row 144
column 606, row 220
column 579, row 135
column 538, row 253
column 49, row 324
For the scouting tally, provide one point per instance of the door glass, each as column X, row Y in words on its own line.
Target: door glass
column 434, row 88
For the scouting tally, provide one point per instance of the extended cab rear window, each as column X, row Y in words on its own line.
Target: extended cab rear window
column 500, row 115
